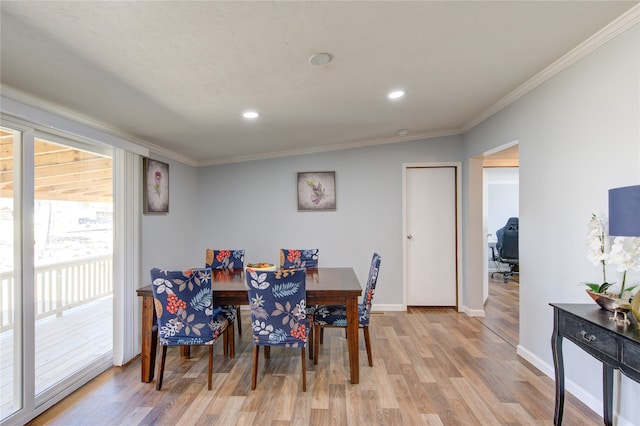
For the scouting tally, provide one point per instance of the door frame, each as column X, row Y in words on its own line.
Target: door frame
column 458, row 174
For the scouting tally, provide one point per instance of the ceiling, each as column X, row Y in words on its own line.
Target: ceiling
column 176, row 76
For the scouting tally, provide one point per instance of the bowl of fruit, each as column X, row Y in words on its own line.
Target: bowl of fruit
column 262, row 266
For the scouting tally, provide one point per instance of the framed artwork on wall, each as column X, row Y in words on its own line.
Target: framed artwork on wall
column 316, row 191
column 155, row 177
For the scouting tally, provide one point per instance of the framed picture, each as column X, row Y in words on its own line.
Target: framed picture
column 156, row 186
column 316, row 191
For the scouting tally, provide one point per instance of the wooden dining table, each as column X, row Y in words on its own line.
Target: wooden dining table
column 325, row 286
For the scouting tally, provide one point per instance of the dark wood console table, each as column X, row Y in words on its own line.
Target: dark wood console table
column 589, row 327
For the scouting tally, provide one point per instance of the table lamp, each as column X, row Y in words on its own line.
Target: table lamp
column 624, row 211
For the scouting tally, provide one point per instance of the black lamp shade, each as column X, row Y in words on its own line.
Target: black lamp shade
column 624, row 211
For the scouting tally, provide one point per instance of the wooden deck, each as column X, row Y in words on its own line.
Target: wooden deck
column 64, row 344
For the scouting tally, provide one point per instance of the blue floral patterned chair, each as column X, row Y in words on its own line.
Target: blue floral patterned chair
column 278, row 313
column 335, row 315
column 301, row 258
column 227, row 259
column 186, row 314
column 298, row 258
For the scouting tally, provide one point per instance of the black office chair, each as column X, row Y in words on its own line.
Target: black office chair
column 507, row 249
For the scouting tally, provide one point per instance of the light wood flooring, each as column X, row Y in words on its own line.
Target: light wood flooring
column 502, row 313
column 432, row 366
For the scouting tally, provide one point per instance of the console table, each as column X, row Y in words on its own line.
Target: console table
column 589, row 327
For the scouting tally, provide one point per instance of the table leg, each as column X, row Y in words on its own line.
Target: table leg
column 352, row 338
column 149, row 339
column 556, row 348
column 607, row 394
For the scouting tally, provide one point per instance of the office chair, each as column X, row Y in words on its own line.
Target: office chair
column 507, row 249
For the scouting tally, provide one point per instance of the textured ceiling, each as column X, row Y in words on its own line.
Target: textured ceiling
column 178, row 74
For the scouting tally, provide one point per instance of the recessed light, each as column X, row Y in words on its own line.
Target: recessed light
column 320, row 59
column 250, row 114
column 396, row 94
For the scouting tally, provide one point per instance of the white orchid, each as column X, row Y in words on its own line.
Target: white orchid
column 625, row 252
column 598, row 253
column 598, row 242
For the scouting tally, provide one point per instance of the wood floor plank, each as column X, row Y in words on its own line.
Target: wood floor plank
column 406, row 403
column 432, row 366
column 475, row 402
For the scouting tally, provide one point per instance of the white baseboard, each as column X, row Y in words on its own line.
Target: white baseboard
column 588, row 399
column 473, row 312
column 394, row 307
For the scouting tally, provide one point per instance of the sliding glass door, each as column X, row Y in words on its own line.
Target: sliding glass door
column 73, row 229
column 56, row 264
column 10, row 294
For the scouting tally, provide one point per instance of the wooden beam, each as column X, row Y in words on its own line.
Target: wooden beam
column 61, row 172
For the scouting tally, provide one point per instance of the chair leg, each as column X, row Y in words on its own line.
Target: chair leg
column 311, row 354
column 322, row 335
column 232, row 342
column 161, row 368
column 210, row 367
column 185, row 351
column 238, row 319
column 316, row 345
column 304, row 371
column 254, row 371
column 267, row 352
column 225, row 342
column 367, row 343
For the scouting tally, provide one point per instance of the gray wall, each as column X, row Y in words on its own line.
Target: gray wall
column 253, row 205
column 167, row 239
column 579, row 135
column 502, row 197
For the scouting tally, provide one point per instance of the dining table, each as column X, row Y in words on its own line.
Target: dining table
column 324, row 286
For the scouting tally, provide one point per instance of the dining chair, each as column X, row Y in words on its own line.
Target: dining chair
column 298, row 258
column 336, row 315
column 277, row 300
column 227, row 259
column 186, row 313
column 301, row 258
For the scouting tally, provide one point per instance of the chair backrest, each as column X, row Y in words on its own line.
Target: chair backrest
column 278, row 300
column 224, row 259
column 298, row 258
column 507, row 244
column 184, row 306
column 370, row 289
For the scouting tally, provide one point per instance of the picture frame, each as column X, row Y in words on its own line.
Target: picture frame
column 155, row 184
column 316, row 191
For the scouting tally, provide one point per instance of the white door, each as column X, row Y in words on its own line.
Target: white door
column 431, row 236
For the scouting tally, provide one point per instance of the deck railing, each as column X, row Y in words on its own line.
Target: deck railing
column 59, row 287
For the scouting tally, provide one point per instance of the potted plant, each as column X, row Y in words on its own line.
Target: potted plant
column 625, row 253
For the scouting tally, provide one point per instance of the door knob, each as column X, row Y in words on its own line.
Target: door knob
column 409, row 237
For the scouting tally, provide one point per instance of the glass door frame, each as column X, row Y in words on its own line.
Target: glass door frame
column 24, row 268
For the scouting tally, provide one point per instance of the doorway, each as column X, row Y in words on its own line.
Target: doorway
column 500, row 202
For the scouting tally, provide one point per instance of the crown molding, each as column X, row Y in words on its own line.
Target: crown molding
column 11, row 93
column 615, row 28
column 328, row 148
